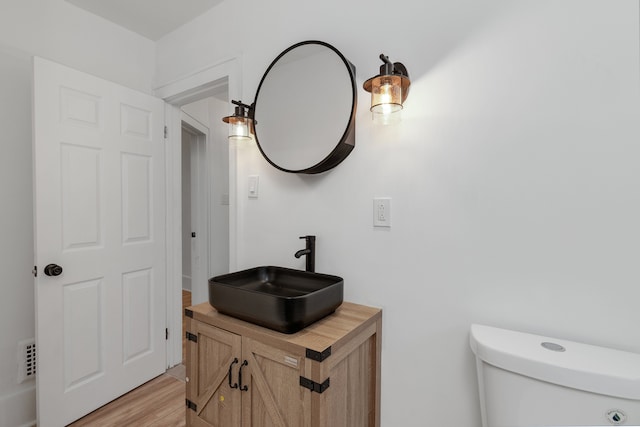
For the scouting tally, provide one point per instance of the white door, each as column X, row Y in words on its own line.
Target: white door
column 99, row 173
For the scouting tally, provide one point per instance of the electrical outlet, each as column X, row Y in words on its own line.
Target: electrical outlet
column 382, row 212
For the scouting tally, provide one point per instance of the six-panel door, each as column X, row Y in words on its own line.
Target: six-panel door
column 99, row 174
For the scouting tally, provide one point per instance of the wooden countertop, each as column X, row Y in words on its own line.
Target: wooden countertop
column 332, row 331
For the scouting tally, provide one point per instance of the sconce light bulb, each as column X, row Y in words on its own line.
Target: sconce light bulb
column 386, row 109
column 386, row 95
column 239, row 129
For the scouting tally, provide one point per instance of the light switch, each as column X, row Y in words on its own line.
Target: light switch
column 253, row 186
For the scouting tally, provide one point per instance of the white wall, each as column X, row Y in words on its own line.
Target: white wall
column 17, row 401
column 57, row 30
column 61, row 32
column 514, row 176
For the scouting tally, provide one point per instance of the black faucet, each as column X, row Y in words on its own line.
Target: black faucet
column 310, row 252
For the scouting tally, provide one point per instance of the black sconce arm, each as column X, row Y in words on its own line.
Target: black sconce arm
column 391, row 68
column 241, row 104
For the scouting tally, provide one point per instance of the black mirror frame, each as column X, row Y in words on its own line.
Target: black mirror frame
column 348, row 140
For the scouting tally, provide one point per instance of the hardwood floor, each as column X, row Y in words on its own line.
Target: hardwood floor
column 160, row 402
column 157, row 403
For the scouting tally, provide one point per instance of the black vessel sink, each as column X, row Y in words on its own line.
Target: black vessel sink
column 277, row 298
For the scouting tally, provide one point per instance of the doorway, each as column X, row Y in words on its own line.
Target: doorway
column 193, row 142
column 204, row 194
column 209, row 91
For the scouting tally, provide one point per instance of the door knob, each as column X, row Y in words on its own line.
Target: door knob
column 53, row 270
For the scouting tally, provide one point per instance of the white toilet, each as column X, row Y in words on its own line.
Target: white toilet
column 531, row 380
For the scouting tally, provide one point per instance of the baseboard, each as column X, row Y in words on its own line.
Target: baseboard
column 19, row 409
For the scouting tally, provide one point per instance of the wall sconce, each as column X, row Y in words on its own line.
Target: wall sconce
column 389, row 89
column 241, row 122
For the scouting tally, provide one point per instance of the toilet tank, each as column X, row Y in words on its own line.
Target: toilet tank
column 532, row 380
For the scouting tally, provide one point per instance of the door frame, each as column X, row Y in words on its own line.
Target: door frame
column 200, row 201
column 179, row 92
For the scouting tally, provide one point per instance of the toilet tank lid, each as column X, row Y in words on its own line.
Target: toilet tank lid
column 580, row 366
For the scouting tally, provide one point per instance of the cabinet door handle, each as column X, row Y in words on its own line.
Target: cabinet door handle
column 242, row 387
column 235, row 360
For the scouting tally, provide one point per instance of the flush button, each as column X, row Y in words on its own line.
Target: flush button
column 553, row 346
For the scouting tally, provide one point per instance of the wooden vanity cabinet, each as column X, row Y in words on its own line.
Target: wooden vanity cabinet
column 327, row 375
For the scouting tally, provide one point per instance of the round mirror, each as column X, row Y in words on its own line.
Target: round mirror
column 305, row 109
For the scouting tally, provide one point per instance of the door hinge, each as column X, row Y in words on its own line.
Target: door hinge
column 191, row 405
column 192, row 337
column 35, row 271
column 166, row 132
column 166, row 333
column 314, row 386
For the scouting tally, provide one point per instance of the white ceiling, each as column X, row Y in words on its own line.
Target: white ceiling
column 149, row 18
